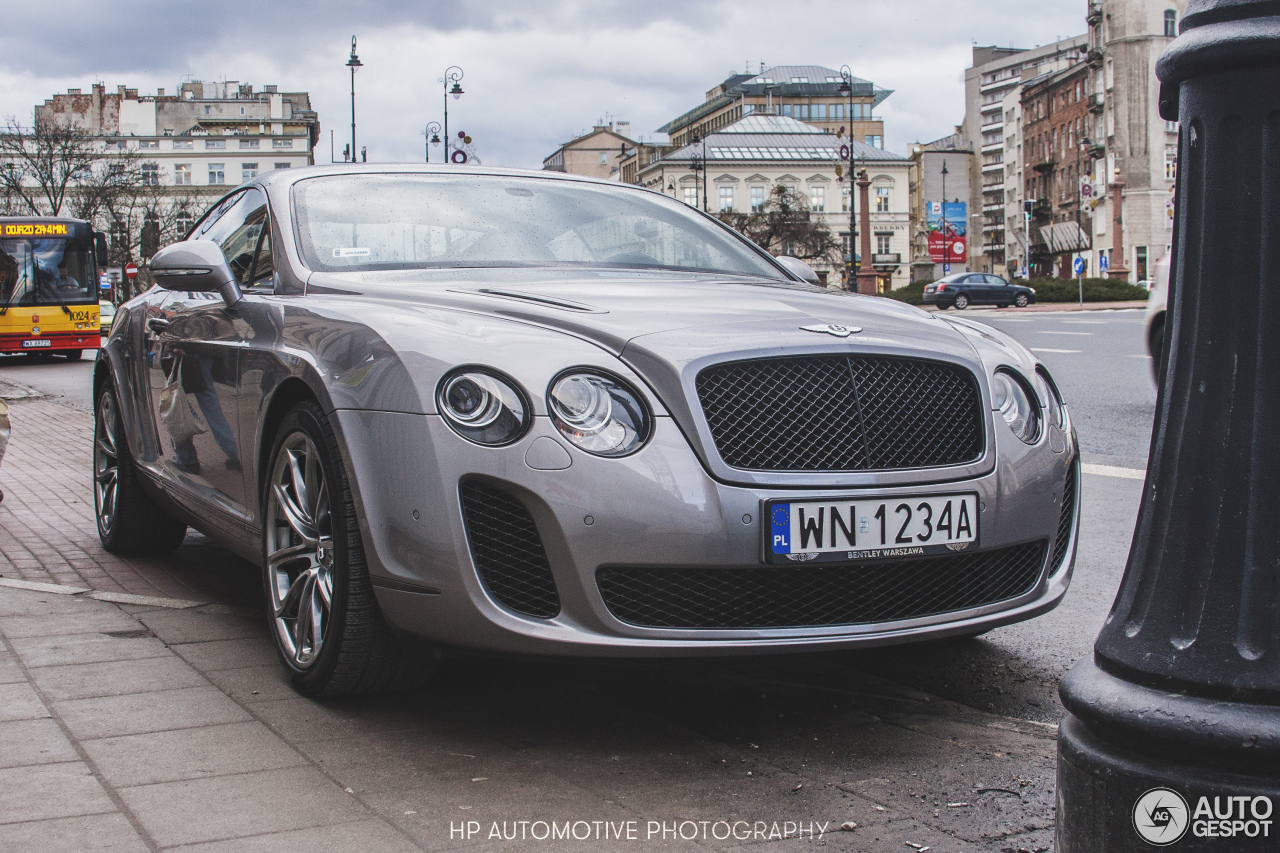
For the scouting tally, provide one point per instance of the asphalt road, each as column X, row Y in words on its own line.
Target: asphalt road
column 1099, row 362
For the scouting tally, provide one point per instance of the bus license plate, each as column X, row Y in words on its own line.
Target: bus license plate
column 870, row 528
column 38, row 342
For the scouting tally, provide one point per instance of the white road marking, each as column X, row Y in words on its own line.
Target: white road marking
column 1114, row 471
column 1047, row 332
column 1046, row 349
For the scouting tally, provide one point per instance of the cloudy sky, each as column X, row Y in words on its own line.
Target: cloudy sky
column 537, row 74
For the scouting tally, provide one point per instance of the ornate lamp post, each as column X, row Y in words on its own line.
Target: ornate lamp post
column 432, row 137
column 846, row 88
column 1173, row 725
column 946, row 238
column 353, row 63
column 452, row 75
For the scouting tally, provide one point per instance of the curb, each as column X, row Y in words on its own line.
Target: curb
column 97, row 595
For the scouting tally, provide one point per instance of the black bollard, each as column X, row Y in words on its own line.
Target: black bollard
column 1172, row 735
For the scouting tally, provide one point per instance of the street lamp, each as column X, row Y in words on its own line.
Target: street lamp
column 432, row 137
column 846, row 88
column 452, row 75
column 353, row 63
column 1083, row 146
column 698, row 162
column 942, row 210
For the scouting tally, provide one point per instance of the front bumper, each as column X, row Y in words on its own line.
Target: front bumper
column 659, row 508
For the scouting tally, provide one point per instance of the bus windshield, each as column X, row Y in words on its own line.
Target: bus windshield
column 47, row 271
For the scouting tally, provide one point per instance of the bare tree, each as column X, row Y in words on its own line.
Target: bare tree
column 785, row 226
column 42, row 166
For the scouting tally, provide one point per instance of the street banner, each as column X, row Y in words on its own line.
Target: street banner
column 947, row 242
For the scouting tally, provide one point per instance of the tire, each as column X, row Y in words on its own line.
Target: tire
column 941, row 306
column 1021, row 300
column 961, row 301
column 312, row 551
column 73, row 354
column 1002, row 304
column 129, row 522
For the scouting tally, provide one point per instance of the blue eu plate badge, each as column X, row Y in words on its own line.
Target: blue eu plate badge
column 780, row 522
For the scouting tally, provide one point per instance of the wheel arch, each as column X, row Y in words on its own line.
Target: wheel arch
column 288, row 394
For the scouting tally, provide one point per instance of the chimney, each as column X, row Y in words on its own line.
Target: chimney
column 271, row 90
column 159, row 93
column 73, row 91
column 622, row 128
column 120, row 91
column 131, row 93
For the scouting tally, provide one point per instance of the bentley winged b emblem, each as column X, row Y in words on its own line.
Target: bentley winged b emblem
column 831, row 329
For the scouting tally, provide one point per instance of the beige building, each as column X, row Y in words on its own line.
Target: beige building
column 928, row 187
column 737, row 167
column 1126, row 37
column 597, row 154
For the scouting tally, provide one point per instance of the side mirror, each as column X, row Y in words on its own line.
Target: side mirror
column 100, row 248
column 195, row 265
column 795, row 266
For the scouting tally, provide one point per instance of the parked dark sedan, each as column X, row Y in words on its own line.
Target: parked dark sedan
column 977, row 288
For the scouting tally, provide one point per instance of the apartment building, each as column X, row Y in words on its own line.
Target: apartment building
column 939, row 205
column 598, row 154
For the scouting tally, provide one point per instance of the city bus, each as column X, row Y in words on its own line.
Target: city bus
column 49, row 285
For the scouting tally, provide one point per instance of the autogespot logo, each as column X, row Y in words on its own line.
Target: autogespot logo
column 1160, row 816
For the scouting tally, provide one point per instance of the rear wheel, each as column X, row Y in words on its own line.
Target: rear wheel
column 962, row 301
column 129, row 522
column 324, row 617
column 1021, row 300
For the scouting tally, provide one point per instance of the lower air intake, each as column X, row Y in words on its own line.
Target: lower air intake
column 508, row 551
column 1066, row 522
column 803, row 596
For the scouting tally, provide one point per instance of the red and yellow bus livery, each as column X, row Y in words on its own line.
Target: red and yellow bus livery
column 49, row 285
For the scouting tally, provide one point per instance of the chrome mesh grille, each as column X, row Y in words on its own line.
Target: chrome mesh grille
column 1067, row 520
column 508, row 551
column 813, row 595
column 842, row 413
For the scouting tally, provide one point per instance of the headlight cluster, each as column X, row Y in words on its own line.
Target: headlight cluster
column 1053, row 400
column 595, row 412
column 1017, row 405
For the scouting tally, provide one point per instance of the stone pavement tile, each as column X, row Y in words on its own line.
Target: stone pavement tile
column 190, row 754
column 10, row 672
column 254, row 683
column 85, row 648
column 88, row 834
column 48, row 791
column 301, row 720
column 24, row 742
column 178, row 626
column 115, row 678
column 367, row 836
column 234, row 806
column 14, row 602
column 90, row 620
column 228, row 654
column 19, row 702
column 137, row 713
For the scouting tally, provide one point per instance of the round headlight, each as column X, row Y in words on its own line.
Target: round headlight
column 482, row 407
column 597, row 413
column 1053, row 400
column 1015, row 403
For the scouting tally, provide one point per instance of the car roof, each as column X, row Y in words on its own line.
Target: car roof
column 280, row 178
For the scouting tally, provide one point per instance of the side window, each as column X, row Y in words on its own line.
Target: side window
column 213, row 215
column 263, row 275
column 237, row 231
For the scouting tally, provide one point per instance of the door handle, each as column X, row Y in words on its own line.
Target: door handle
column 157, row 325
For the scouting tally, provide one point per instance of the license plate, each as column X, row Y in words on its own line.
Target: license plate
column 37, row 343
column 870, row 528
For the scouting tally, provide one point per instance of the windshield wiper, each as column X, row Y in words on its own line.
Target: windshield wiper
column 9, row 299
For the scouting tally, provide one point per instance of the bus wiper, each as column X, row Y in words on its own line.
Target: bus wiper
column 54, row 290
column 9, row 299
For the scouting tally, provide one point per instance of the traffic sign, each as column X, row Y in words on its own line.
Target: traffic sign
column 1103, row 264
column 1078, row 266
column 1024, row 272
column 946, row 268
column 131, row 269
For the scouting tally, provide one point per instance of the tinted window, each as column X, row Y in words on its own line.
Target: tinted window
column 214, row 214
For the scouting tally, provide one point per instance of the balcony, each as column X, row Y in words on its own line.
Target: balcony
column 1045, row 166
column 1095, row 58
column 1097, row 101
column 1094, row 16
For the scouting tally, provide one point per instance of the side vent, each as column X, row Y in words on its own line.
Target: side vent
column 1066, row 522
column 508, row 551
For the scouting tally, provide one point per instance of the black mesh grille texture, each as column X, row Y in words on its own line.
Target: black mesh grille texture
column 801, row 595
column 1067, row 519
column 508, row 551
column 842, row 413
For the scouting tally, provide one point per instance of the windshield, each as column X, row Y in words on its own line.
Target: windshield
column 387, row 222
column 47, row 272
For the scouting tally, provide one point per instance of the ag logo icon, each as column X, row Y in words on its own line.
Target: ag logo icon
column 1160, row 816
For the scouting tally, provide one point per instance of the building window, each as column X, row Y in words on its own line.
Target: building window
column 882, row 243
column 691, row 196
column 182, row 174
column 151, row 174
column 283, row 165
column 248, row 143
column 183, row 224
column 182, row 145
column 818, row 199
column 248, row 171
column 726, row 198
column 207, row 110
column 882, row 199
column 844, row 199
column 217, row 173
column 1170, row 23
column 1170, row 163
column 603, row 158
column 282, row 143
column 148, row 143
column 757, row 199
column 875, row 141
column 215, row 143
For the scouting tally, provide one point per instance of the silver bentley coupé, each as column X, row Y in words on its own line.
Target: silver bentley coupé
column 467, row 408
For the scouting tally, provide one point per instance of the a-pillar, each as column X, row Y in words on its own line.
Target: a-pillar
column 867, row 278
column 1117, row 269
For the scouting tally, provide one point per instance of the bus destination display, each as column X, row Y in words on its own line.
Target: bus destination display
column 35, row 229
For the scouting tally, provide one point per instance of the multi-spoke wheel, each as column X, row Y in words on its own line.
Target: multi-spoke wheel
column 1021, row 300
column 324, row 617
column 961, row 302
column 129, row 522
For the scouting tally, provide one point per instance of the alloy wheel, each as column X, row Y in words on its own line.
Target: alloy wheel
column 1021, row 301
column 299, row 546
column 106, row 464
